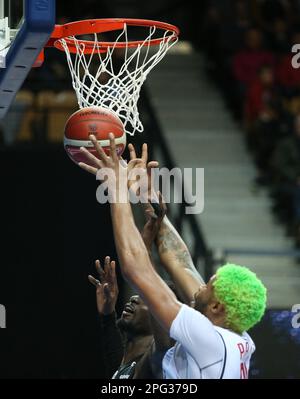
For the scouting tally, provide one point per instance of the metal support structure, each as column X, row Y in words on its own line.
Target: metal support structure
column 34, row 33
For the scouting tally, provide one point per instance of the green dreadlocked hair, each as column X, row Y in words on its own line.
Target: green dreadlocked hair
column 243, row 295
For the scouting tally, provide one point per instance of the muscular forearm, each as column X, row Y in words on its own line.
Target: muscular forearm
column 177, row 261
column 132, row 252
column 137, row 269
column 162, row 340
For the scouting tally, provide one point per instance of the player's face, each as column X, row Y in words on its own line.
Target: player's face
column 204, row 296
column 135, row 316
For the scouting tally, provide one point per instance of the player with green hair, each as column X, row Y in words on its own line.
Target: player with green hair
column 210, row 335
column 243, row 295
column 232, row 302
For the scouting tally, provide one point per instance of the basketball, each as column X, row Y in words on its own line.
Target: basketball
column 98, row 121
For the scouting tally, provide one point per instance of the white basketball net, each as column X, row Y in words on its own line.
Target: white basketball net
column 121, row 89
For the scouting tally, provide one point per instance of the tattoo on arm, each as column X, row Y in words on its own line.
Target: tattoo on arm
column 170, row 243
column 167, row 241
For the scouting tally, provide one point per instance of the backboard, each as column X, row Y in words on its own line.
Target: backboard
column 11, row 19
column 25, row 28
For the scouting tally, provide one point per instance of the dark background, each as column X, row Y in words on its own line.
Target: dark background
column 53, row 230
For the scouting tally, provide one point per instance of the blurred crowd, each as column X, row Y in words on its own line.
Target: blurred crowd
column 248, row 47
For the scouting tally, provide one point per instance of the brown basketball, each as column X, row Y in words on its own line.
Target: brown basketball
column 97, row 121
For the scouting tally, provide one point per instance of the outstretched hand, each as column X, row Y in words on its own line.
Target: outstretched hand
column 130, row 174
column 111, row 169
column 104, row 161
column 107, row 290
column 141, row 162
column 141, row 166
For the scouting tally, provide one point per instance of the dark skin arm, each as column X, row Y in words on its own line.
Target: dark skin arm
column 176, row 259
column 106, row 298
column 134, row 259
column 173, row 252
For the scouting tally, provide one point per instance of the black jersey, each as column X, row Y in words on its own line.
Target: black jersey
column 126, row 371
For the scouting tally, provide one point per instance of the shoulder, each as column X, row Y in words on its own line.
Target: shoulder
column 186, row 313
column 194, row 330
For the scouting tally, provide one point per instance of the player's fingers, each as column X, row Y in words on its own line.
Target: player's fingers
column 98, row 266
column 99, row 269
column 160, row 207
column 150, row 214
column 98, row 148
column 93, row 161
column 107, row 265
column 152, row 164
column 113, row 269
column 88, row 168
column 145, row 153
column 162, row 203
column 157, row 209
column 150, row 217
column 132, row 152
column 113, row 149
column 132, row 169
column 133, row 162
column 91, row 157
column 93, row 280
column 154, row 198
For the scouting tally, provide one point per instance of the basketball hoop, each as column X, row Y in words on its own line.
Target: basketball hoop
column 110, row 74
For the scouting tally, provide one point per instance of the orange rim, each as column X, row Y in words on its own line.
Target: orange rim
column 91, row 26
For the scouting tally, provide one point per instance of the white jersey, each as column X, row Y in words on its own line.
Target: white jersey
column 204, row 350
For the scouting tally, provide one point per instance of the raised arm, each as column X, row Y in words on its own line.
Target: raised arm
column 149, row 233
column 176, row 259
column 106, row 299
column 173, row 252
column 151, row 363
column 137, row 268
column 134, row 260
